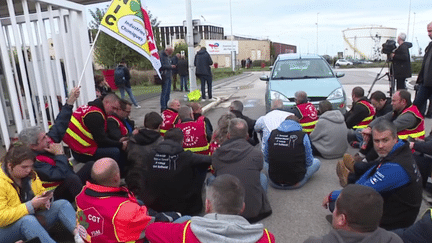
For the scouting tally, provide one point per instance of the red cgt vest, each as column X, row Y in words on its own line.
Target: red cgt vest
column 416, row 132
column 78, row 137
column 123, row 129
column 309, row 116
column 95, row 215
column 169, row 117
column 194, row 133
column 365, row 122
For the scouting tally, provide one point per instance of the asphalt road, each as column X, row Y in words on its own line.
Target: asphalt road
column 297, row 214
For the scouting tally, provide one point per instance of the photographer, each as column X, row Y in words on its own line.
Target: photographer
column 401, row 65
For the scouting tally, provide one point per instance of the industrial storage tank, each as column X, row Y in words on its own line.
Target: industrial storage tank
column 366, row 42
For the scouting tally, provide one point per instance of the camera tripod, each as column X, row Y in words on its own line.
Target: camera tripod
column 388, row 74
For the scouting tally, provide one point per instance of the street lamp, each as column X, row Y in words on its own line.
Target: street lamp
column 317, row 34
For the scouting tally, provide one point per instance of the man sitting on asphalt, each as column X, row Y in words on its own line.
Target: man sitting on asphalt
column 356, row 218
column 52, row 165
column 405, row 116
column 139, row 148
column 289, row 152
column 170, row 116
column 381, row 103
column 118, row 124
column 175, row 177
column 361, row 114
column 197, row 113
column 305, row 111
column 87, row 132
column 197, row 134
column 108, row 213
column 394, row 175
column 236, row 107
column 270, row 121
column 222, row 223
column 238, row 158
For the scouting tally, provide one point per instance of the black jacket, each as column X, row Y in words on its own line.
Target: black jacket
column 183, row 67
column 253, row 137
column 166, row 68
column 426, row 81
column 203, row 62
column 401, row 61
column 386, row 109
column 95, row 123
column 126, row 75
column 357, row 113
column 172, row 182
column 114, row 131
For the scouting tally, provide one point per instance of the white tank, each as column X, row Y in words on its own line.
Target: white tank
column 366, row 42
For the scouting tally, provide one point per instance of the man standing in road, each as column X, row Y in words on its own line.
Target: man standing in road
column 425, row 76
column 122, row 81
column 202, row 63
column 174, row 61
column 401, row 67
column 165, row 71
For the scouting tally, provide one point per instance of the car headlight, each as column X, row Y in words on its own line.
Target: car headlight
column 274, row 95
column 336, row 94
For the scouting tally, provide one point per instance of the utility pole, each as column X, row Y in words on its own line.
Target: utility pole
column 232, row 45
column 317, row 34
column 191, row 49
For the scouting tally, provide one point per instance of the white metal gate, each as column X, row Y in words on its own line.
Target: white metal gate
column 43, row 51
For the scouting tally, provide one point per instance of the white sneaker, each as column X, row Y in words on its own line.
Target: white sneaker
column 212, row 99
column 138, row 106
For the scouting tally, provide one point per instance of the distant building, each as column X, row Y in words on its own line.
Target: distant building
column 220, row 46
column 168, row 34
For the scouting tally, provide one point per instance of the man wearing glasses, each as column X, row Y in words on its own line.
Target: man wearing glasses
column 119, row 125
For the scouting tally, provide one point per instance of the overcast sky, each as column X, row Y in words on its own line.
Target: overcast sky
column 295, row 22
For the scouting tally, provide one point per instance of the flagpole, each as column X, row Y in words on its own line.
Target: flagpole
column 88, row 58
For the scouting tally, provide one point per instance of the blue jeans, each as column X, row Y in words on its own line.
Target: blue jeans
column 316, row 164
column 423, row 94
column 165, row 94
column 129, row 91
column 206, row 79
column 184, row 83
column 28, row 227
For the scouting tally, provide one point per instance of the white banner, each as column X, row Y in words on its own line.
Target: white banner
column 221, row 47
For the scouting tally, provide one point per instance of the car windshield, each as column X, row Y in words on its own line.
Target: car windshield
column 301, row 68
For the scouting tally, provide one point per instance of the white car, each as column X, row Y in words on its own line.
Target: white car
column 343, row 62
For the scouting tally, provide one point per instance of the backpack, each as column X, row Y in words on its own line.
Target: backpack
column 119, row 76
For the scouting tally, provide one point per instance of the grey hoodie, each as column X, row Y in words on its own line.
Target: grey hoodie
column 343, row 236
column 225, row 228
column 330, row 135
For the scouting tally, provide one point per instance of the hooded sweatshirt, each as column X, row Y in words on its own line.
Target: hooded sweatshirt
column 212, row 227
column 238, row 158
column 343, row 236
column 171, row 182
column 329, row 135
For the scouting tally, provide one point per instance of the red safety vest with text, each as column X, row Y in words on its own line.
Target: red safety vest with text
column 78, row 137
column 169, row 118
column 195, row 139
column 96, row 215
column 416, row 132
column 123, row 129
column 365, row 122
column 309, row 116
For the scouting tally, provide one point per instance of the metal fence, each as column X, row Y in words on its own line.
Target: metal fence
column 44, row 45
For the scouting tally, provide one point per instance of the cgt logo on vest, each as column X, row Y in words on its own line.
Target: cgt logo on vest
column 93, row 220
